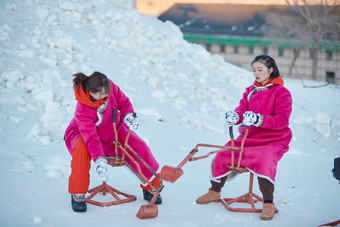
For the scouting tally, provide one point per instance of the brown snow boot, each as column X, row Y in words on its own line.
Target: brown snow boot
column 209, row 197
column 268, row 211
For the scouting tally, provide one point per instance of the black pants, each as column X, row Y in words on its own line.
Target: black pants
column 266, row 187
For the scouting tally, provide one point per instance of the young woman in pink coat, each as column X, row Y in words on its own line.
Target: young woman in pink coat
column 90, row 135
column 265, row 107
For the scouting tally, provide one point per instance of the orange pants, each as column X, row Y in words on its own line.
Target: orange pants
column 79, row 180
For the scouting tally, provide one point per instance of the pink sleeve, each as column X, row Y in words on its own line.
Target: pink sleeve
column 123, row 102
column 282, row 111
column 86, row 121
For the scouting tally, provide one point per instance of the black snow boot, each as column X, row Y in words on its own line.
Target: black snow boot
column 78, row 202
column 148, row 194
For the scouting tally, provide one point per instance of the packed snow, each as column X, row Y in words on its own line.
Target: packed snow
column 180, row 93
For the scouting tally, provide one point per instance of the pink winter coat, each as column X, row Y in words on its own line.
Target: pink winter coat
column 99, row 139
column 265, row 145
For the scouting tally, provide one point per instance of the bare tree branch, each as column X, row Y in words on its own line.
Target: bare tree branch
column 304, row 85
column 312, row 23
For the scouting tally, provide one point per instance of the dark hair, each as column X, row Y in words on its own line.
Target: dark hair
column 94, row 83
column 269, row 62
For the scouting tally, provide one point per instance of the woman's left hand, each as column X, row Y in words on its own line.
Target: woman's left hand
column 101, row 168
column 131, row 121
column 250, row 118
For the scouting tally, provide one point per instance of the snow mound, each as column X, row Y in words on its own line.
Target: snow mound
column 147, row 58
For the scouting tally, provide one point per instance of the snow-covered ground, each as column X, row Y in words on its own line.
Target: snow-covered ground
column 180, row 93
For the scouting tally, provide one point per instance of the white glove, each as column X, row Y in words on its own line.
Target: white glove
column 101, row 168
column 231, row 118
column 250, row 118
column 131, row 121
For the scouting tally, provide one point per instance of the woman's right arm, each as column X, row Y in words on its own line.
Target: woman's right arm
column 85, row 118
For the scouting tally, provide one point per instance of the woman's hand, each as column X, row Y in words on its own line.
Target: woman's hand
column 101, row 168
column 131, row 121
column 250, row 118
column 231, row 118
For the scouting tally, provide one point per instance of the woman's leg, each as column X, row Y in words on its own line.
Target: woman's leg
column 217, row 186
column 80, row 166
column 219, row 168
column 267, row 189
column 214, row 192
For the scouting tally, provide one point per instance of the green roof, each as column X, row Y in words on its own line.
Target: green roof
column 255, row 41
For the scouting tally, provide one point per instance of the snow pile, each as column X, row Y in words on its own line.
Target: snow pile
column 61, row 38
column 180, row 93
column 321, row 123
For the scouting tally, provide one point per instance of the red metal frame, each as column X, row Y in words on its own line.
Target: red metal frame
column 171, row 174
column 246, row 198
column 103, row 188
column 145, row 211
column 334, row 223
column 250, row 197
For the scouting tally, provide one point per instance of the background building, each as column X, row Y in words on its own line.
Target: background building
column 240, row 32
column 158, row 7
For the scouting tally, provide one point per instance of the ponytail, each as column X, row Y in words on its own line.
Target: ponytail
column 78, row 77
column 94, row 83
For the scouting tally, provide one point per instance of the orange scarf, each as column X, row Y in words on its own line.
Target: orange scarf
column 278, row 80
column 84, row 97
